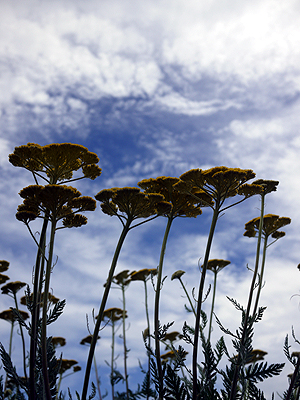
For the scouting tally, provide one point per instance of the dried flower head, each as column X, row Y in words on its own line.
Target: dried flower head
column 215, row 265
column 217, row 183
column 143, row 274
column 88, row 339
column 10, row 316
column 177, row 274
column 66, row 364
column 51, row 299
column 114, row 314
column 3, row 278
column 60, row 201
column 12, row 287
column 122, row 278
column 56, row 162
column 128, row 202
column 183, row 204
column 173, row 336
column 58, row 341
column 271, row 224
column 4, row 265
column 268, row 185
column 256, row 355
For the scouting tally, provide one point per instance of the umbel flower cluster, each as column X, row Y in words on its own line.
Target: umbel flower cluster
column 167, row 374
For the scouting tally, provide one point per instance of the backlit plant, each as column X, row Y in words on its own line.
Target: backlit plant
column 167, row 376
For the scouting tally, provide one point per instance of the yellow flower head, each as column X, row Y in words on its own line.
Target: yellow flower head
column 271, row 224
column 3, row 278
column 12, row 287
column 268, row 185
column 217, row 183
column 51, row 299
column 143, row 274
column 183, row 204
column 4, row 265
column 256, row 355
column 173, row 336
column 215, row 265
column 10, row 316
column 113, row 314
column 177, row 274
column 129, row 202
column 122, row 278
column 60, row 201
column 58, row 341
column 66, row 364
column 171, row 355
column 88, row 339
column 57, row 161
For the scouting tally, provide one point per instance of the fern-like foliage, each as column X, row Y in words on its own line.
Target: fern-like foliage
column 56, row 311
column 11, row 372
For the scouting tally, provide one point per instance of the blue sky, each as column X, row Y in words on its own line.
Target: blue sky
column 156, row 88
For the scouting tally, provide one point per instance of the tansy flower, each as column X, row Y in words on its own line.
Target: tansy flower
column 183, row 205
column 271, row 224
column 56, row 162
column 218, row 183
column 177, row 274
column 88, row 339
column 4, row 265
column 3, row 278
column 66, row 364
column 143, row 274
column 60, row 201
column 58, row 341
column 10, row 316
column 122, row 278
column 12, row 287
column 216, row 265
column 128, row 202
column 173, row 336
column 51, row 299
column 114, row 314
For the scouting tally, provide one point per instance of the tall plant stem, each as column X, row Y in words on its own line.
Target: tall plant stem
column 247, row 314
column 45, row 306
column 212, row 306
column 97, row 377
column 148, row 327
column 188, row 296
column 124, row 341
column 124, row 232
column 263, row 262
column 36, row 309
column 156, row 307
column 112, row 359
column 22, row 338
column 200, row 296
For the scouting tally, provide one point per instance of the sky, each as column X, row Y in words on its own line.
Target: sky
column 156, row 88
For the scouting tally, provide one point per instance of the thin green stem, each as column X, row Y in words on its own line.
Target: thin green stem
column 148, row 326
column 156, row 307
column 263, row 262
column 97, row 377
column 112, row 359
column 212, row 306
column 200, row 296
column 124, row 232
column 45, row 309
column 22, row 338
column 187, row 295
column 247, row 314
column 36, row 308
column 124, row 340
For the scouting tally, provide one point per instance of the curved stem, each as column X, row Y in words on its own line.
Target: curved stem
column 23, row 340
column 124, row 232
column 199, row 300
column 156, row 307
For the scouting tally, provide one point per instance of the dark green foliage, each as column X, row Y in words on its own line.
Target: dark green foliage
column 53, row 368
column 175, row 388
column 56, row 311
column 10, row 370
